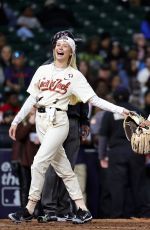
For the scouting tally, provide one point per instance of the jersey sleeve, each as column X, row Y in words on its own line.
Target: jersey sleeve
column 33, row 88
column 81, row 88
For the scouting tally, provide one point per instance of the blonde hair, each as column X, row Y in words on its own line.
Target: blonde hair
column 73, row 99
column 71, row 62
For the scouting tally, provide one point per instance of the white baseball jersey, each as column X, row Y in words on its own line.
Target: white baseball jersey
column 53, row 86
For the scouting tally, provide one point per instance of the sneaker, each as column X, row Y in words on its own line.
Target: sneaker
column 47, row 218
column 82, row 217
column 21, row 215
column 65, row 217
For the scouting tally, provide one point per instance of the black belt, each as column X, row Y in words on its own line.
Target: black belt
column 42, row 109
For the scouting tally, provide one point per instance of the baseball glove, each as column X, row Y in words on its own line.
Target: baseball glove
column 139, row 136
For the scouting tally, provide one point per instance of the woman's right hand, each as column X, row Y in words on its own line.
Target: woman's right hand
column 12, row 132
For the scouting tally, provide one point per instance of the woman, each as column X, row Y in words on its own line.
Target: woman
column 52, row 88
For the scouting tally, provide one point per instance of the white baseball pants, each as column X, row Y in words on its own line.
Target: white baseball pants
column 52, row 152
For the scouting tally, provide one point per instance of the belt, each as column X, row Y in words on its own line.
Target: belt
column 43, row 109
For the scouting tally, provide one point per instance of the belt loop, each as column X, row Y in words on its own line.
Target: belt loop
column 42, row 109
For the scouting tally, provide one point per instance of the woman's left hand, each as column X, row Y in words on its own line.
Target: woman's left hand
column 145, row 123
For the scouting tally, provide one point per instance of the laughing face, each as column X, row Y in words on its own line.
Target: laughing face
column 62, row 51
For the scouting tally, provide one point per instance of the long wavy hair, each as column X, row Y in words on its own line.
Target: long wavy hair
column 71, row 62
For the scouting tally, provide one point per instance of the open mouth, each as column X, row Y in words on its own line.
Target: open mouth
column 60, row 53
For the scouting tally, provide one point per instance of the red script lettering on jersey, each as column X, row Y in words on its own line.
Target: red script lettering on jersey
column 56, row 86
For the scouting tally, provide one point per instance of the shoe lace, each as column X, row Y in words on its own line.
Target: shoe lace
column 45, row 217
column 80, row 212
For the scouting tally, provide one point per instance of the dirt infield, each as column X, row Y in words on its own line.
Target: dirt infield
column 95, row 224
